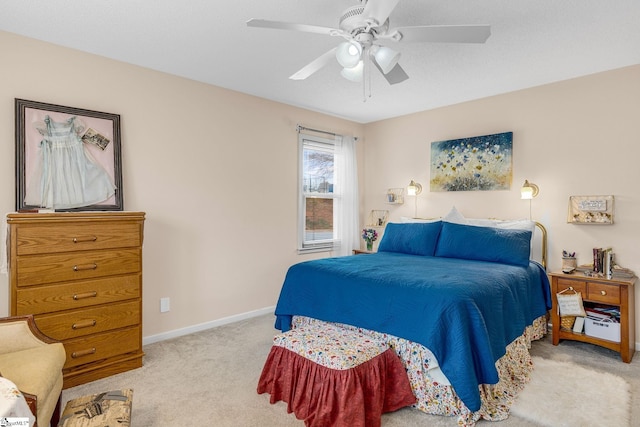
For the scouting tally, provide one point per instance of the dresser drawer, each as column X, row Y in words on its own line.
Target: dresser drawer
column 40, row 269
column 604, row 293
column 51, row 298
column 78, row 323
column 43, row 239
column 101, row 346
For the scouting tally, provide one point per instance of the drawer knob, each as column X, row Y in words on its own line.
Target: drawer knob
column 84, row 239
column 91, row 294
column 85, row 267
column 86, row 324
column 603, row 293
column 81, row 353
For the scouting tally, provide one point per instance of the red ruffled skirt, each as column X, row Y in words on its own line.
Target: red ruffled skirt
column 323, row 397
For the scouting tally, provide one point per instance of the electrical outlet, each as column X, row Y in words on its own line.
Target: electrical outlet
column 164, row 305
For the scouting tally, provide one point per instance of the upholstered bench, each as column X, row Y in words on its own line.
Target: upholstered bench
column 332, row 377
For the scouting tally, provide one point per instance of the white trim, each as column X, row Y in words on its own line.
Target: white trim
column 207, row 325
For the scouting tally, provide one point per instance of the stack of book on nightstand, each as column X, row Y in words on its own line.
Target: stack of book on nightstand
column 622, row 273
column 617, row 272
column 602, row 322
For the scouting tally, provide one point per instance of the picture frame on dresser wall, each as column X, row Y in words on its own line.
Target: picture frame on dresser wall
column 67, row 159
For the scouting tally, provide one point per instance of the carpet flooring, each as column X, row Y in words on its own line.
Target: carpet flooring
column 562, row 394
column 210, row 378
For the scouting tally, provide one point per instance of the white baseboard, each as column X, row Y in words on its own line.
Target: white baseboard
column 207, row 325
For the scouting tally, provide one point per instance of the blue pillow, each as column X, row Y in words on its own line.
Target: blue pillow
column 411, row 238
column 508, row 246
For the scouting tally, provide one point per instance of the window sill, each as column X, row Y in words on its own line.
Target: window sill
column 302, row 251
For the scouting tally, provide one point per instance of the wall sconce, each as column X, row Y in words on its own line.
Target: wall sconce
column 414, row 188
column 528, row 191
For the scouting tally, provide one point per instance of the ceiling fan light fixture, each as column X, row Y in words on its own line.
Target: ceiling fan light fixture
column 354, row 74
column 348, row 54
column 365, row 30
column 386, row 58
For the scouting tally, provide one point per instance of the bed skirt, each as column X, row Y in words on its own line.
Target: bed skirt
column 318, row 394
column 434, row 395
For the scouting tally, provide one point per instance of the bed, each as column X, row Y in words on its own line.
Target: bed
column 460, row 302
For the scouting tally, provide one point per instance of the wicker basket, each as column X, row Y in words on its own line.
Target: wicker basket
column 566, row 322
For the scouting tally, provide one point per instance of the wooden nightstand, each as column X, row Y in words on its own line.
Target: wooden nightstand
column 361, row 251
column 597, row 290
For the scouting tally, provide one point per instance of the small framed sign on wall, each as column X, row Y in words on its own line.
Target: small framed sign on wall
column 590, row 210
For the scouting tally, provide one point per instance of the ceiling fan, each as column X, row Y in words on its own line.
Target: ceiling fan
column 366, row 31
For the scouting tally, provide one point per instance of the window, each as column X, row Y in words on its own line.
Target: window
column 318, row 200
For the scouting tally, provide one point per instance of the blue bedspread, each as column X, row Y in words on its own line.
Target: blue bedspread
column 466, row 312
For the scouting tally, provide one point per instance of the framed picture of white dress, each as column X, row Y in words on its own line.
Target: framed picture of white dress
column 67, row 159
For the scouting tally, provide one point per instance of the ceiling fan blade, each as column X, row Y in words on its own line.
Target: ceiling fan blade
column 379, row 10
column 445, row 33
column 314, row 65
column 279, row 25
column 396, row 75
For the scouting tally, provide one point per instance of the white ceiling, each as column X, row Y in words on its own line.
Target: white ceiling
column 533, row 42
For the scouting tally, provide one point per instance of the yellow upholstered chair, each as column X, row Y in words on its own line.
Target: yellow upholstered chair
column 33, row 362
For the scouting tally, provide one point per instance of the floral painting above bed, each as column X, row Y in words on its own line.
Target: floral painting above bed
column 479, row 163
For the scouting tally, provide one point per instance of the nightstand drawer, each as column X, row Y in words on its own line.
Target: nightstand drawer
column 601, row 292
column 40, row 269
column 78, row 323
column 76, row 237
column 86, row 293
column 577, row 285
column 102, row 346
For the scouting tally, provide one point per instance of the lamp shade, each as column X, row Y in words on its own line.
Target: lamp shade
column 348, row 54
column 529, row 190
column 414, row 188
column 354, row 73
column 385, row 57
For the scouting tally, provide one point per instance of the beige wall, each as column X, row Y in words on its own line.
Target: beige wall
column 216, row 170
column 577, row 137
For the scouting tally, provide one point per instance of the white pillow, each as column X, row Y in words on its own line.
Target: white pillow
column 517, row 224
column 455, row 217
column 406, row 219
column 520, row 224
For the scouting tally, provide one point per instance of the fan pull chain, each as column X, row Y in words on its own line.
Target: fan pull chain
column 366, row 74
column 369, row 74
column 365, row 61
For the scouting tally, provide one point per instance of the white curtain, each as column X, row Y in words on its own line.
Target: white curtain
column 347, row 218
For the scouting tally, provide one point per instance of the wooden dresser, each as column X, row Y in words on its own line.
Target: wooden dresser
column 80, row 275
